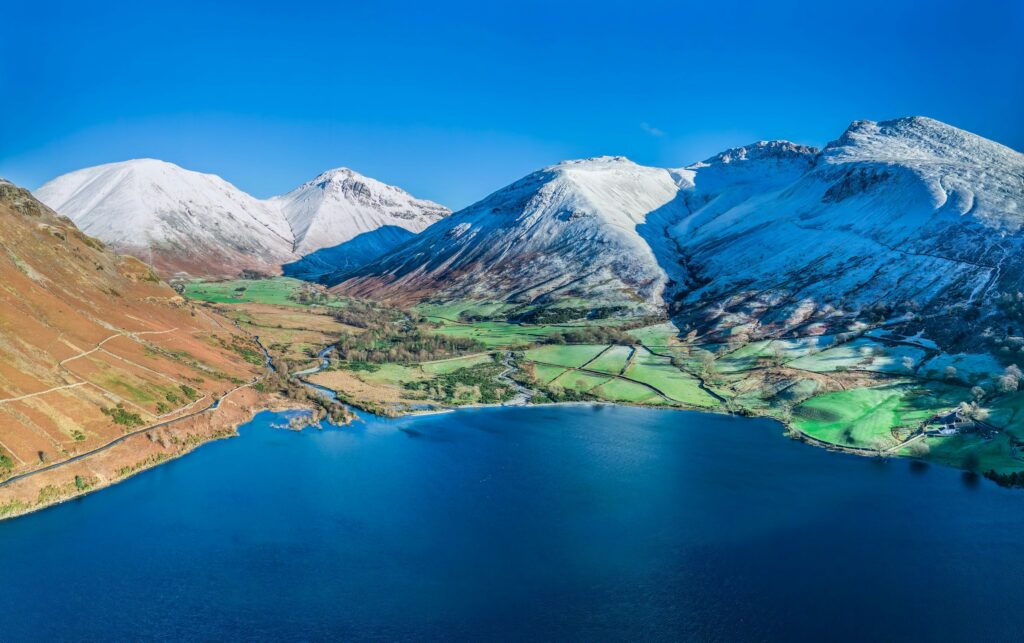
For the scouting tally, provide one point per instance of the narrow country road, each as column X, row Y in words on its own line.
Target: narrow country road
column 120, row 439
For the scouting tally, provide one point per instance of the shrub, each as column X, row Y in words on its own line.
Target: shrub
column 123, row 417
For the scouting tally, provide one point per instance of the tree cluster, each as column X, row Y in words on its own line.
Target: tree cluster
column 591, row 335
column 402, row 345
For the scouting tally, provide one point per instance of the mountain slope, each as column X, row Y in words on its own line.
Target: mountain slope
column 907, row 216
column 176, row 219
column 92, row 345
column 573, row 229
column 341, row 204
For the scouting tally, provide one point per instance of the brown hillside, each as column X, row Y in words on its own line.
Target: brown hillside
column 94, row 345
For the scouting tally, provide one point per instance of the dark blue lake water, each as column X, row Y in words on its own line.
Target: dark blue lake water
column 580, row 523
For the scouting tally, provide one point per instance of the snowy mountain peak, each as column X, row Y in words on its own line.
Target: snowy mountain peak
column 173, row 218
column 760, row 165
column 776, row 233
column 594, row 163
column 759, row 151
column 340, row 204
column 97, row 198
column 576, row 228
column 913, row 138
column 336, row 174
column 341, row 176
column 911, row 212
column 960, row 171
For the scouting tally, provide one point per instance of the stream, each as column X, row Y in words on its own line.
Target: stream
column 325, row 361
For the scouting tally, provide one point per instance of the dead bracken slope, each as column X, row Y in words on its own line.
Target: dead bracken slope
column 94, row 345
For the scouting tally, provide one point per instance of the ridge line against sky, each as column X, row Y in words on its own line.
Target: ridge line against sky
column 453, row 100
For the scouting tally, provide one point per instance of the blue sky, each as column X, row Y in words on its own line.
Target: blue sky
column 452, row 100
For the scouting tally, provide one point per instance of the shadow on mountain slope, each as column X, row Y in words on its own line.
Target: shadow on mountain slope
column 330, row 265
column 670, row 256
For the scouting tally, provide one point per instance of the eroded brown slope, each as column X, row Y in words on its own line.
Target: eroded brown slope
column 94, row 346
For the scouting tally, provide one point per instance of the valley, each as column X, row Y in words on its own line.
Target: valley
column 871, row 392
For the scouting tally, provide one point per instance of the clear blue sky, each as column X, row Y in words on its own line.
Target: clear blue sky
column 452, row 100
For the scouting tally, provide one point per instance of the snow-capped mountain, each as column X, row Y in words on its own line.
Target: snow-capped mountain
column 909, row 215
column 576, row 228
column 184, row 221
column 172, row 218
column 341, row 204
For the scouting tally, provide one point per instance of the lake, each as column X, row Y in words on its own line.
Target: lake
column 571, row 523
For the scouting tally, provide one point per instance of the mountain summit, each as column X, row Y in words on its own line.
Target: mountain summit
column 341, row 204
column 172, row 218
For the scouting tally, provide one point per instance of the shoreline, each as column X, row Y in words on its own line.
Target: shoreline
column 15, row 507
column 282, row 406
column 38, row 490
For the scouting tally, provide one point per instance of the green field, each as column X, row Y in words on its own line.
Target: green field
column 861, row 354
column 864, row 418
column 612, row 360
column 571, row 355
column 751, row 376
column 975, row 453
column 661, row 374
column 500, row 334
column 277, row 291
column 661, row 335
column 453, row 311
column 619, row 390
column 647, row 371
column 970, row 368
column 796, row 392
column 399, row 374
column 393, row 374
column 545, row 374
column 443, row 366
column 774, row 352
column 751, row 355
column 577, row 381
